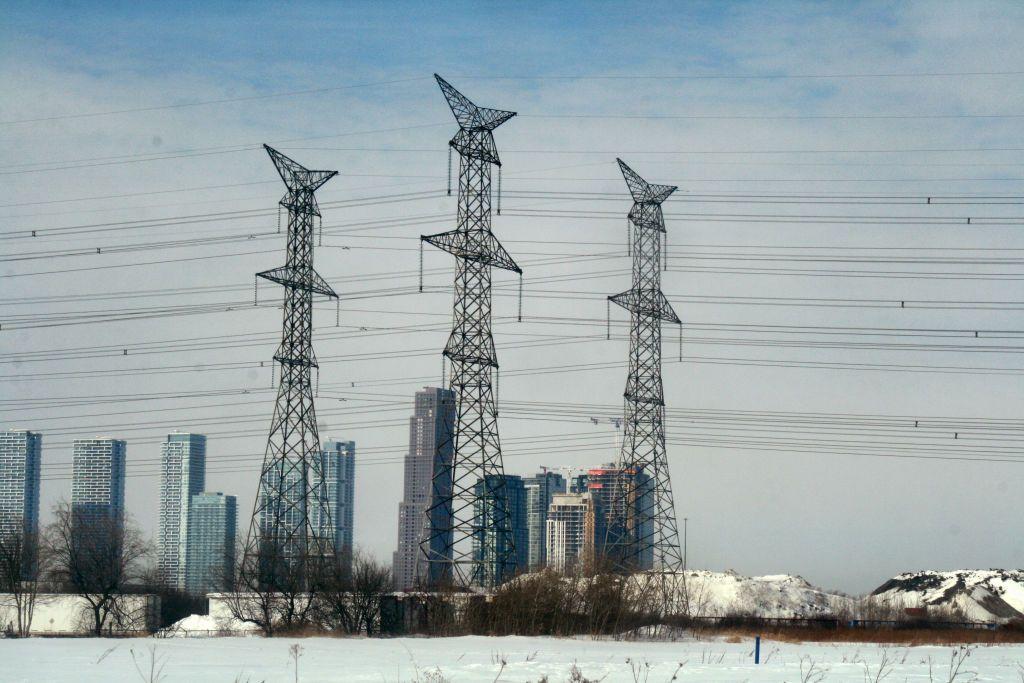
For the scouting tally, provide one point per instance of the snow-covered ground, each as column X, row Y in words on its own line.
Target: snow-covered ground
column 230, row 660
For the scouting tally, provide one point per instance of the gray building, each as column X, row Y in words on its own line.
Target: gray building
column 20, row 457
column 97, row 483
column 539, row 490
column 210, row 552
column 498, row 497
column 182, row 476
column 338, row 463
column 430, row 447
column 574, row 529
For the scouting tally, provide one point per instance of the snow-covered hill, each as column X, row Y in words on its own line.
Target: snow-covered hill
column 719, row 594
column 995, row 595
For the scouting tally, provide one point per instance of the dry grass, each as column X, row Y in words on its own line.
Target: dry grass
column 894, row 636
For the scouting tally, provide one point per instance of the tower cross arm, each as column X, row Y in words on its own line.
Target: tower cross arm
column 488, row 250
column 303, row 279
column 469, row 116
column 635, row 302
column 642, row 191
column 296, row 176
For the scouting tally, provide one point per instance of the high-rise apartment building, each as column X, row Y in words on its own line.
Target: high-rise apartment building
column 497, row 496
column 20, row 456
column 210, row 551
column 539, row 490
column 607, row 485
column 182, row 476
column 97, row 484
column 430, row 447
column 574, row 530
column 339, row 467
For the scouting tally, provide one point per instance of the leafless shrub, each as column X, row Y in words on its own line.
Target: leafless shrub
column 151, row 666
column 811, row 671
column 885, row 668
column 295, row 652
column 957, row 660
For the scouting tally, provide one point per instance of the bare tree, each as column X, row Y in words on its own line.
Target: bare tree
column 274, row 590
column 98, row 557
column 21, row 565
column 352, row 593
column 371, row 581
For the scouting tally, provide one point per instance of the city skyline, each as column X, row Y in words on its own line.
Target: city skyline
column 847, row 377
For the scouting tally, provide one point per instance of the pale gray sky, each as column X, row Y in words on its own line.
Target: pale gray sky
column 852, row 102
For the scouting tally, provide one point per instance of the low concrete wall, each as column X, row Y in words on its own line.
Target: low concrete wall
column 64, row 614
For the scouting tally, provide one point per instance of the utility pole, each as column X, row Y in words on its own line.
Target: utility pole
column 642, row 533
column 468, row 540
column 685, row 520
column 290, row 520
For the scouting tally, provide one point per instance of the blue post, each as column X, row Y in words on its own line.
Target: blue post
column 757, row 650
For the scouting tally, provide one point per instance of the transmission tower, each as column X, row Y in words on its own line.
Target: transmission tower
column 642, row 531
column 468, row 539
column 290, row 520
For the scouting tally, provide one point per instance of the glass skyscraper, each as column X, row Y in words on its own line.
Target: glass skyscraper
column 339, row 468
column 97, row 486
column 182, row 476
column 498, row 495
column 430, row 448
column 539, row 490
column 20, row 456
column 210, row 548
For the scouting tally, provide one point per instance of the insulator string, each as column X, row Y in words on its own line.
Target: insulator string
column 519, row 316
column 320, row 238
column 337, row 312
column 256, row 290
column 272, row 368
column 608, row 330
column 421, row 264
column 278, row 219
column 664, row 249
column 497, row 388
column 499, row 190
column 316, row 389
column 680, row 342
column 449, row 170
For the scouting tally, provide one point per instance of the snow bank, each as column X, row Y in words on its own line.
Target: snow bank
column 200, row 625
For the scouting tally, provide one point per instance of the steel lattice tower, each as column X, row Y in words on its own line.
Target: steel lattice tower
column 468, row 536
column 642, row 529
column 290, row 520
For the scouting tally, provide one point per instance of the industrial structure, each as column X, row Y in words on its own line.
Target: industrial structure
column 457, row 498
column 291, row 507
column 642, row 523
